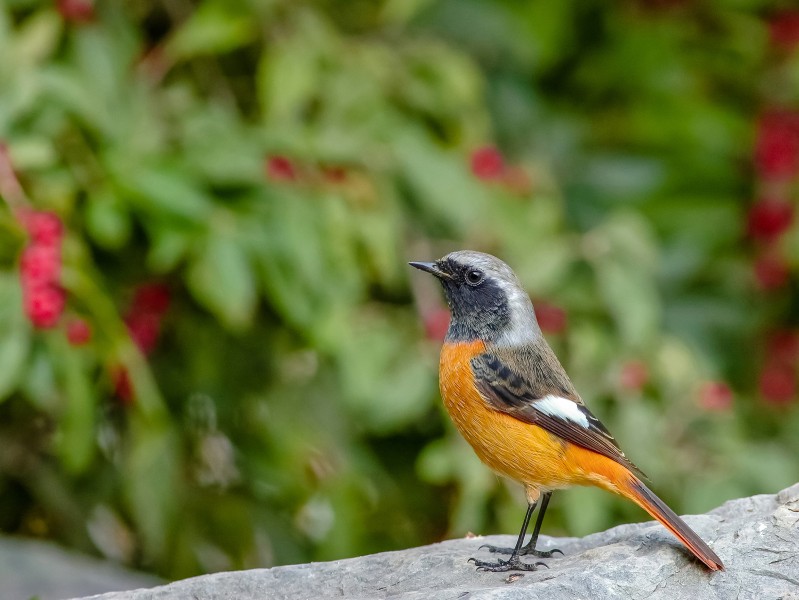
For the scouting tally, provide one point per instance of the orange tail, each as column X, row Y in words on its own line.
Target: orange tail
column 636, row 491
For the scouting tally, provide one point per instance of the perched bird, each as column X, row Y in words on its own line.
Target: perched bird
column 516, row 406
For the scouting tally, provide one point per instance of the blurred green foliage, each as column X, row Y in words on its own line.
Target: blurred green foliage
column 271, row 165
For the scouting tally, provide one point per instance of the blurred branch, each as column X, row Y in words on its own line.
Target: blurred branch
column 10, row 188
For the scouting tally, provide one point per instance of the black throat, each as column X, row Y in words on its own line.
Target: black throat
column 478, row 313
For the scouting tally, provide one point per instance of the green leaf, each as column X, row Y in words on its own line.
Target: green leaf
column 76, row 432
column 14, row 335
column 288, row 74
column 150, row 484
column 305, row 259
column 629, row 238
column 103, row 57
column 33, row 152
column 221, row 148
column 586, row 510
column 385, row 381
column 37, row 38
column 632, row 298
column 402, row 11
column 676, row 367
column 40, row 384
column 441, row 182
column 287, row 79
column 64, row 88
column 169, row 246
column 211, row 29
column 623, row 177
column 164, row 192
column 221, row 279
column 107, row 221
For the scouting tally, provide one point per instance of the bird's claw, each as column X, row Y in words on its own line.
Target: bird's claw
column 514, row 564
column 544, row 553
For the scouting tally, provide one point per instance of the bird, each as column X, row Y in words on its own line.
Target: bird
column 511, row 399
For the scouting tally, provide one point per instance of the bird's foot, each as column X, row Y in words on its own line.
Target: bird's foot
column 526, row 551
column 541, row 553
column 501, row 566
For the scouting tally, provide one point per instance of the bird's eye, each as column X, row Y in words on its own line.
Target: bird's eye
column 474, row 277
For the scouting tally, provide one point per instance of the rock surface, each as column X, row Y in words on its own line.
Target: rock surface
column 758, row 539
column 42, row 570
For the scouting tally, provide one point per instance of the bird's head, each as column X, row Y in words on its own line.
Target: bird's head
column 485, row 297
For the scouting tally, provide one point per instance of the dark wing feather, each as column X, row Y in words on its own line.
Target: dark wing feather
column 508, row 391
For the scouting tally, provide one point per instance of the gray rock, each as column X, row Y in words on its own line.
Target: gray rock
column 32, row 568
column 758, row 539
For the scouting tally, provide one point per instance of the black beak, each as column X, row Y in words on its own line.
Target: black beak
column 431, row 267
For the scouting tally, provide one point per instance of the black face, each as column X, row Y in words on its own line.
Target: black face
column 479, row 305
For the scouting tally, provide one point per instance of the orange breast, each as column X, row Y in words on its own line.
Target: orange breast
column 526, row 453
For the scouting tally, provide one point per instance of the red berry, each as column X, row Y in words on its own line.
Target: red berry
column 150, row 302
column 778, row 384
column 334, row 174
column 151, row 298
column 777, row 146
column 123, row 386
column 40, row 269
column 44, row 305
column 436, row 324
column 280, row 168
column 40, row 265
column 487, row 163
column 769, row 218
column 144, row 330
column 634, row 375
column 715, row 395
column 79, row 332
column 771, row 272
column 784, row 29
column 551, row 318
column 783, row 347
column 45, row 228
column 76, row 11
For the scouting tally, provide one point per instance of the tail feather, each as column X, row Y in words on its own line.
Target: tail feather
column 646, row 499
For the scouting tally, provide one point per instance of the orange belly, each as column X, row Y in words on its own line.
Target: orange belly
column 526, row 453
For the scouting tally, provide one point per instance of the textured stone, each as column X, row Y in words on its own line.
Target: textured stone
column 758, row 539
column 31, row 568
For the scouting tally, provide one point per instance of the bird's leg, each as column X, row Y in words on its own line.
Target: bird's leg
column 529, row 549
column 514, row 563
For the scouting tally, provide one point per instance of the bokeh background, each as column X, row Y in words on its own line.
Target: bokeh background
column 212, row 352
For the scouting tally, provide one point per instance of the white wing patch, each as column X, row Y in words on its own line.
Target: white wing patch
column 555, row 406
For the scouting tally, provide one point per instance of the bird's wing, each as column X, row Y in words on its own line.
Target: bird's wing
column 509, row 392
